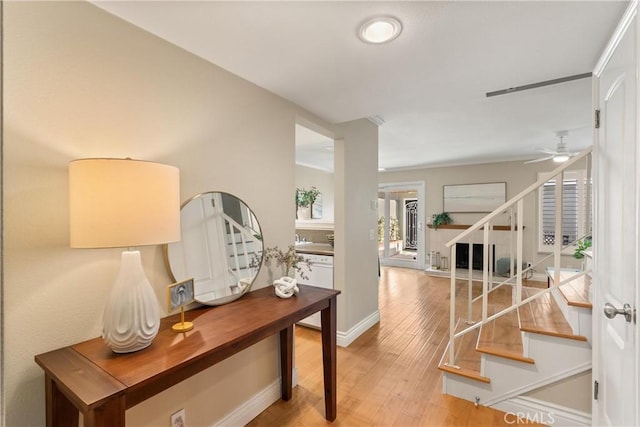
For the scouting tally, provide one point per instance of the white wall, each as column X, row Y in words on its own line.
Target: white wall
column 82, row 83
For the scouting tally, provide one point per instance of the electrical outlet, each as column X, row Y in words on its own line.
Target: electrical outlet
column 179, row 419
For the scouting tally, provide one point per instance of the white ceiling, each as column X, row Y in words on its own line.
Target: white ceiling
column 428, row 85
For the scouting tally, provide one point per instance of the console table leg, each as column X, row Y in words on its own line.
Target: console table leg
column 59, row 409
column 110, row 414
column 329, row 354
column 286, row 362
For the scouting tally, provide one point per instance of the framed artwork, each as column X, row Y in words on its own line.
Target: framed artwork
column 180, row 294
column 474, row 197
column 316, row 208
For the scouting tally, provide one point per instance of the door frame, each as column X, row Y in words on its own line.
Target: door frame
column 598, row 364
column 419, row 188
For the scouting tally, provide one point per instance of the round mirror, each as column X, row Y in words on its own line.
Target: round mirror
column 221, row 247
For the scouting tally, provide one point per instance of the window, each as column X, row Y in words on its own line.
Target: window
column 574, row 211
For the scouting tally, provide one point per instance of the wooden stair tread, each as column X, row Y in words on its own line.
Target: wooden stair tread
column 502, row 337
column 467, row 373
column 543, row 316
column 576, row 292
column 467, row 359
column 466, row 355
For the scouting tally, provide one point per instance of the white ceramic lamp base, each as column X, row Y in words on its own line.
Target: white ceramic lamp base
column 131, row 316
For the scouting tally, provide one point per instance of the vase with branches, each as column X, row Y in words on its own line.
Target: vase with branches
column 290, row 261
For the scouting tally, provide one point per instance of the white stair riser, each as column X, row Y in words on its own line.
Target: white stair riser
column 579, row 318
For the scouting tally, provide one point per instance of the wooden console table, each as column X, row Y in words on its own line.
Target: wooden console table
column 89, row 378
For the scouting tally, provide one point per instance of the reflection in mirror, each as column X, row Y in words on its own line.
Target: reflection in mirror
column 221, row 247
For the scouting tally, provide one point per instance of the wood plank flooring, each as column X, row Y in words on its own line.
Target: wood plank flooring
column 389, row 376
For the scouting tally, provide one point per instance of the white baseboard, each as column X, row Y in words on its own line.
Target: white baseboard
column 526, row 410
column 343, row 339
column 255, row 405
column 539, row 277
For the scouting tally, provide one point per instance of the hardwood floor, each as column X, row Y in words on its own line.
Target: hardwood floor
column 389, row 375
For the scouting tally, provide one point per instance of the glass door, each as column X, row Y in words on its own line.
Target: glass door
column 401, row 232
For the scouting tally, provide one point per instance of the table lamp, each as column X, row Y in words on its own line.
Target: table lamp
column 125, row 203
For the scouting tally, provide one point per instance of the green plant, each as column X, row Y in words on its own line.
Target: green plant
column 305, row 198
column 581, row 246
column 394, row 229
column 440, row 219
column 288, row 260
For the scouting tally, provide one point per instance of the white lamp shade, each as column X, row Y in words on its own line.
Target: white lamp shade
column 123, row 203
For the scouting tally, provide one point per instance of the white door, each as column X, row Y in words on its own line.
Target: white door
column 615, row 276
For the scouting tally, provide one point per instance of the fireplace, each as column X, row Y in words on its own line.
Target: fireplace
column 477, row 255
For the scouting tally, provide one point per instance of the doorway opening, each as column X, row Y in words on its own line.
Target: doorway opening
column 315, row 186
column 400, row 226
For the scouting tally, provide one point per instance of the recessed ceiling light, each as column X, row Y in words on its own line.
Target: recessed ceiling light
column 380, row 29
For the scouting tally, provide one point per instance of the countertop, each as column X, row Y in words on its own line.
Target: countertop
column 314, row 248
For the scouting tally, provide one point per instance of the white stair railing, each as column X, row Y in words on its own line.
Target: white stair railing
column 240, row 238
column 515, row 208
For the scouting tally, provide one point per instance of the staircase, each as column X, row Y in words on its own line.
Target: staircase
column 510, row 336
column 243, row 249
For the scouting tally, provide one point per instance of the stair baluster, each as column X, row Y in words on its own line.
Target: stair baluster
column 515, row 209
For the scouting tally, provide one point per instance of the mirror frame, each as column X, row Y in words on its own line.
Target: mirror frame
column 228, row 298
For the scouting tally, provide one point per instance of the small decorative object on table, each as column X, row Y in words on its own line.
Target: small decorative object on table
column 180, row 294
column 330, row 239
column 288, row 260
column 286, row 287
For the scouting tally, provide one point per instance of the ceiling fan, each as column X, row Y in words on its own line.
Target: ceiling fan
column 560, row 154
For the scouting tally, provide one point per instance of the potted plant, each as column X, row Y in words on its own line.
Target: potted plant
column 581, row 246
column 304, row 202
column 440, row 219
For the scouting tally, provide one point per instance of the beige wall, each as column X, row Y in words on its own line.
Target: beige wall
column 356, row 248
column 517, row 176
column 573, row 392
column 82, row 83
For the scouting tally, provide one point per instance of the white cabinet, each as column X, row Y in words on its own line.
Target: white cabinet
column 321, row 275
